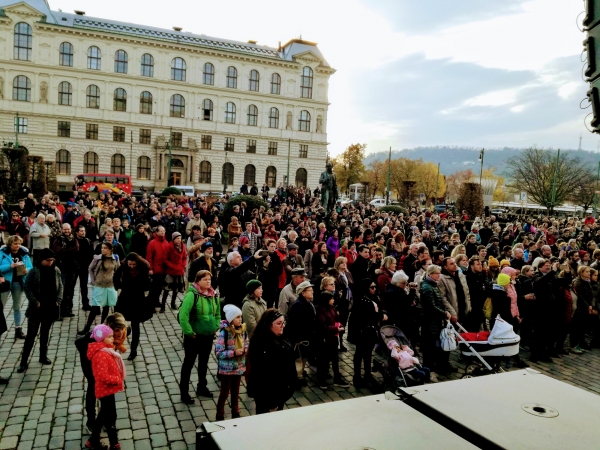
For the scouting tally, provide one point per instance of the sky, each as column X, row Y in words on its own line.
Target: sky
column 481, row 73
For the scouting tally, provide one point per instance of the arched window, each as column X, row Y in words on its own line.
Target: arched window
column 66, row 54
column 230, row 112
column 250, row 174
column 94, row 58
column 117, row 164
column 63, row 162
column 146, row 102
column 205, row 172
column 23, row 41
column 177, row 106
column 175, row 162
column 227, row 174
column 90, row 162
column 273, row 118
column 304, row 121
column 271, row 176
column 143, row 171
column 254, row 80
column 22, row 89
column 301, row 177
column 208, row 76
column 178, row 69
column 275, row 84
column 65, row 93
column 92, row 97
column 207, row 109
column 121, row 61
column 120, row 100
column 252, row 115
column 147, row 65
column 306, row 83
column 231, row 77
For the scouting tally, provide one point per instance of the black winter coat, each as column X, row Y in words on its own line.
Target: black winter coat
column 132, row 302
column 399, row 306
column 272, row 371
column 302, row 325
column 363, row 324
column 434, row 311
column 139, row 244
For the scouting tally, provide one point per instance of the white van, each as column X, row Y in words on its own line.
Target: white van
column 186, row 190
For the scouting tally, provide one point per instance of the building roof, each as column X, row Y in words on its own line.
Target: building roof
column 287, row 53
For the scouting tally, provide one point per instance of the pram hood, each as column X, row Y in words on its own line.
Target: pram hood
column 503, row 333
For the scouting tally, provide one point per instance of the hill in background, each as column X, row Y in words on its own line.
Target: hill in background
column 453, row 159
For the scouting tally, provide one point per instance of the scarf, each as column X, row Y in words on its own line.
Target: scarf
column 238, row 335
column 431, row 280
column 118, row 361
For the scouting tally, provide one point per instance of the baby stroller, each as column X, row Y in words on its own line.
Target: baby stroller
column 390, row 370
column 501, row 342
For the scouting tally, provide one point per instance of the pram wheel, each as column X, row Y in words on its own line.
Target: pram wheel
column 464, row 377
column 471, row 369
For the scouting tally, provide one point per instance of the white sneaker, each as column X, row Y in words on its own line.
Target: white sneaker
column 433, row 378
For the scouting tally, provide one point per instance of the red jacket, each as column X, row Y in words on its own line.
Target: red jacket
column 156, row 254
column 283, row 274
column 176, row 261
column 106, row 372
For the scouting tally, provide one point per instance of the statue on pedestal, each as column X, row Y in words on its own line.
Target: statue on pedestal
column 329, row 192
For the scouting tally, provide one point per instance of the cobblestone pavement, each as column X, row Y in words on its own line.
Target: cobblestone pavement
column 43, row 408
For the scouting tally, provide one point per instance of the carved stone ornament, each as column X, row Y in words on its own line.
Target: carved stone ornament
column 1, row 88
column 319, row 124
column 43, row 92
column 288, row 121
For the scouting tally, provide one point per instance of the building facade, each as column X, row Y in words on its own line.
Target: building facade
column 100, row 96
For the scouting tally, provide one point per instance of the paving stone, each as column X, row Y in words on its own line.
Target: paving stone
column 8, row 442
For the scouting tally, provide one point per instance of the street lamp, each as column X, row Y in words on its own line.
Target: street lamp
column 225, row 174
column 481, row 155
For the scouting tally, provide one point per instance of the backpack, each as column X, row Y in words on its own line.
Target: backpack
column 196, row 297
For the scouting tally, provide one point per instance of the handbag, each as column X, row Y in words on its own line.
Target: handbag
column 21, row 270
column 448, row 339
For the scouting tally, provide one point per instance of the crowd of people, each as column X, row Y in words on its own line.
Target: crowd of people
column 285, row 285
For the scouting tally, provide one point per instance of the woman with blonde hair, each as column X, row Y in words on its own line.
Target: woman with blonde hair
column 386, row 272
column 234, row 229
column 458, row 250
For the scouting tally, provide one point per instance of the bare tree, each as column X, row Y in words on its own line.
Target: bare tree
column 535, row 171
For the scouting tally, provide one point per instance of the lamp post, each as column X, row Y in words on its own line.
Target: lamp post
column 596, row 193
column 481, row 156
column 225, row 174
column 387, row 194
column 169, row 145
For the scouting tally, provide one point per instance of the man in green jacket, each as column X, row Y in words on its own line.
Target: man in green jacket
column 199, row 318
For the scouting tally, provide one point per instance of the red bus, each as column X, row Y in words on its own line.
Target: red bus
column 103, row 183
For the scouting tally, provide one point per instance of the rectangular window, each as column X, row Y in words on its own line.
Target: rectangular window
column 229, row 144
column 176, row 140
column 206, row 142
column 272, row 148
column 64, row 129
column 303, row 151
column 251, row 146
column 21, row 125
column 91, row 131
column 119, row 134
column 145, row 135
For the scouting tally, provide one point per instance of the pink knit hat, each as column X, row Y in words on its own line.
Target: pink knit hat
column 510, row 271
column 391, row 344
column 101, row 332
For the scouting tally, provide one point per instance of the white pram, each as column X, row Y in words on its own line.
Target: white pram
column 501, row 342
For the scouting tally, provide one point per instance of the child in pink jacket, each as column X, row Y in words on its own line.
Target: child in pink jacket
column 406, row 360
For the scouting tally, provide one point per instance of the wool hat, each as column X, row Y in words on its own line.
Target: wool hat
column 292, row 246
column 300, row 288
column 46, row 253
column 493, row 262
column 206, row 245
column 231, row 312
column 197, row 237
column 504, row 263
column 243, row 240
column 582, row 253
column 101, row 332
column 503, row 279
column 252, row 285
column 509, row 271
column 175, row 235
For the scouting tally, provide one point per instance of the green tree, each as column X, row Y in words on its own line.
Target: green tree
column 535, row 172
column 349, row 167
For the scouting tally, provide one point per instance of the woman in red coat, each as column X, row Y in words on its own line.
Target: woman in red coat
column 175, row 263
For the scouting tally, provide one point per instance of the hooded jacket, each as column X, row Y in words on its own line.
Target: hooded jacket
column 106, row 372
column 205, row 319
column 156, row 254
column 6, row 261
column 252, row 310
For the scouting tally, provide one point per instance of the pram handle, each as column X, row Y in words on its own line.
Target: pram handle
column 461, row 327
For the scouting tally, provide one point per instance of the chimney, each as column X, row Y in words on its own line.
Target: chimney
column 177, row 28
column 279, row 48
column 80, row 13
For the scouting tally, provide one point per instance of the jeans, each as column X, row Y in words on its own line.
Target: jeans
column 363, row 355
column 34, row 323
column 69, row 279
column 16, row 291
column 328, row 353
column 229, row 383
column 107, row 418
column 198, row 347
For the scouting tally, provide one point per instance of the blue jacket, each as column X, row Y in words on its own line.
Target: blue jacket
column 6, row 261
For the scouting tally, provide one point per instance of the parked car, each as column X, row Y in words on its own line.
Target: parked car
column 213, row 194
column 377, row 202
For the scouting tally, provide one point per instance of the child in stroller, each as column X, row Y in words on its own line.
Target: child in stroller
column 408, row 363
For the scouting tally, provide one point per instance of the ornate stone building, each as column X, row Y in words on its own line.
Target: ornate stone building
column 100, row 96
